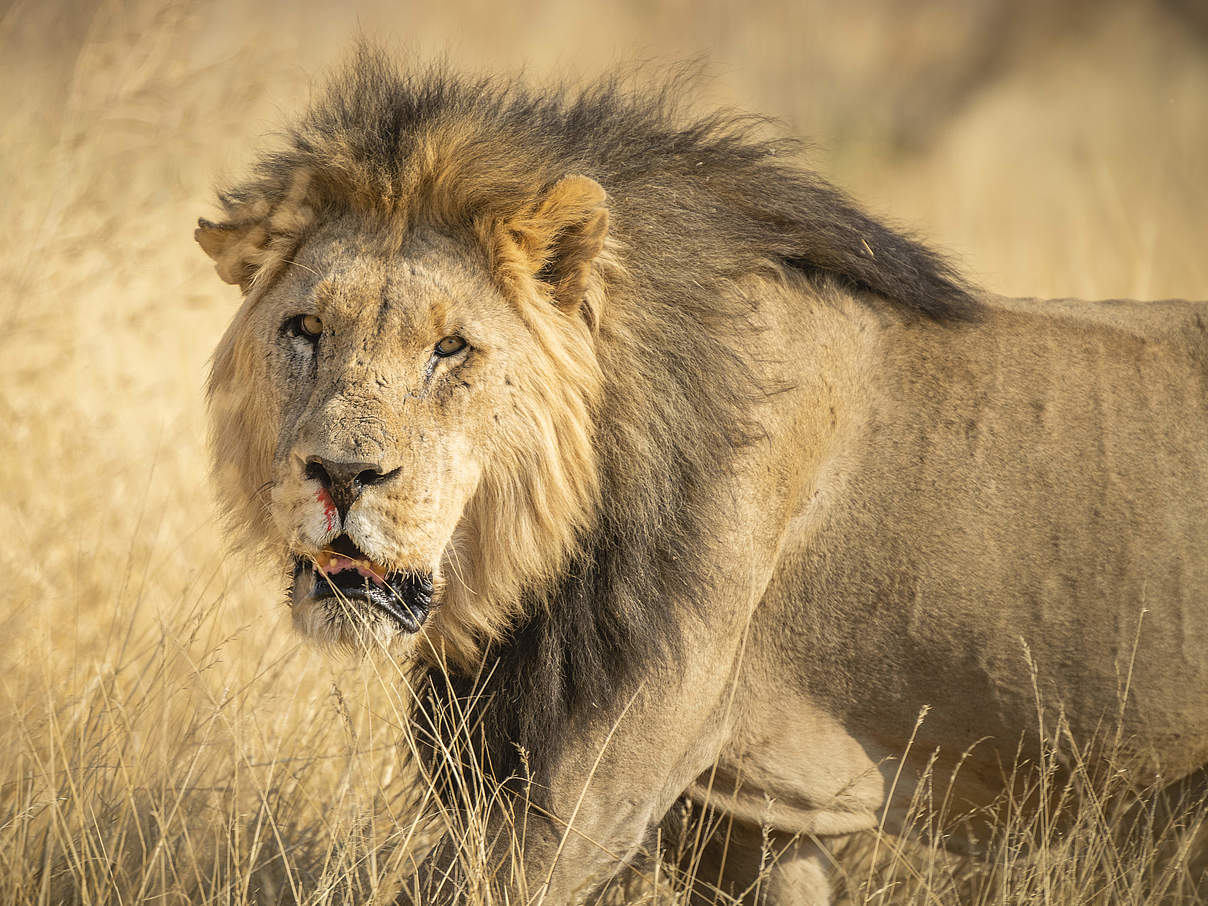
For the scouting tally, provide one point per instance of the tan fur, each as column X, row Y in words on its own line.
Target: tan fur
column 793, row 513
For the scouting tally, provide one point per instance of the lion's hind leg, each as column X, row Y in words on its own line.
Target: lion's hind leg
column 1174, row 823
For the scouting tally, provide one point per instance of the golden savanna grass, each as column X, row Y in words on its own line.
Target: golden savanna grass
column 165, row 738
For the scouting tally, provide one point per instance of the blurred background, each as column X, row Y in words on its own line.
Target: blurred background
column 164, row 733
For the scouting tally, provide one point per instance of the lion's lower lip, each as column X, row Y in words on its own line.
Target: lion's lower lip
column 406, row 598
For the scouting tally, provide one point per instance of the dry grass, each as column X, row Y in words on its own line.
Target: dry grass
column 165, row 738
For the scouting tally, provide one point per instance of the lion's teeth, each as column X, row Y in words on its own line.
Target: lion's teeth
column 331, row 563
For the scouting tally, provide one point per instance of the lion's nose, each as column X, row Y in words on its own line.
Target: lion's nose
column 344, row 480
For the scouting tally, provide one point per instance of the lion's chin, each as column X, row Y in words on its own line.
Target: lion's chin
column 345, row 628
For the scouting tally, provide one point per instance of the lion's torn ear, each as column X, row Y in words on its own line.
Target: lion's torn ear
column 564, row 235
column 259, row 234
column 235, row 248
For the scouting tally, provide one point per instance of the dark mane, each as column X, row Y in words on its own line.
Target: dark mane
column 694, row 205
column 702, row 195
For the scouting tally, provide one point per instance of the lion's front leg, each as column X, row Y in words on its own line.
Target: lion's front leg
column 595, row 799
column 525, row 853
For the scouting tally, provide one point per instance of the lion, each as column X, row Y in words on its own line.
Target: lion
column 687, row 480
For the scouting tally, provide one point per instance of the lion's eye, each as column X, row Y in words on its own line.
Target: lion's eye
column 308, row 326
column 450, row 346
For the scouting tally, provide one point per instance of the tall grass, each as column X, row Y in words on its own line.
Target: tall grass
column 165, row 738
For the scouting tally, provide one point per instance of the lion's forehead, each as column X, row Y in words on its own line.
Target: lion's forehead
column 428, row 284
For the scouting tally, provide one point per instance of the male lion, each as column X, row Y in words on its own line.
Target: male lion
column 685, row 478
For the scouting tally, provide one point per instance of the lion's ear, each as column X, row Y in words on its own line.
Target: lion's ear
column 235, row 248
column 564, row 236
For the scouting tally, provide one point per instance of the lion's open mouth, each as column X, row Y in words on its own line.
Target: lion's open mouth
column 343, row 575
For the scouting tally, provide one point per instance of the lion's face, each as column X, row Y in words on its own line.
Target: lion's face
column 388, row 384
column 404, row 416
